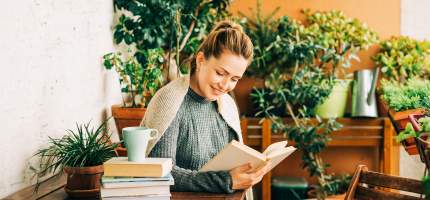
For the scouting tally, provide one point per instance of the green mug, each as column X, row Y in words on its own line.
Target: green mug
column 136, row 140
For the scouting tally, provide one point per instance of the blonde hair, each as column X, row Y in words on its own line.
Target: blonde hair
column 226, row 35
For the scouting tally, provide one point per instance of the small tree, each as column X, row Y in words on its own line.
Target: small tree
column 161, row 36
column 310, row 58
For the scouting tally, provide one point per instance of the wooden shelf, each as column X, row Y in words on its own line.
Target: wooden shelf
column 373, row 136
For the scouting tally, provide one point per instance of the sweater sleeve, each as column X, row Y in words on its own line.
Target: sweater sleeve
column 185, row 179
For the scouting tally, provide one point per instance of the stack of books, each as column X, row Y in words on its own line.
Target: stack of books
column 147, row 180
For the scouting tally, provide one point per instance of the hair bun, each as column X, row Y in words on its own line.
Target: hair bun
column 227, row 24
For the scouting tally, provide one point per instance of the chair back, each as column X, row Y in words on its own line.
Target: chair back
column 366, row 184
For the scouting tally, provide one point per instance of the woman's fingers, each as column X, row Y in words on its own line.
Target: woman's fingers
column 243, row 168
column 246, row 176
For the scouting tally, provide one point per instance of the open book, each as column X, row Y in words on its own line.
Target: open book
column 235, row 154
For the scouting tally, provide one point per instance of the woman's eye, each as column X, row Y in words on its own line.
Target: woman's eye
column 235, row 80
column 217, row 72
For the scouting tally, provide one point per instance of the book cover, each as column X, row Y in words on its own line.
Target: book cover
column 235, row 154
column 116, row 179
column 140, row 183
column 151, row 167
column 135, row 191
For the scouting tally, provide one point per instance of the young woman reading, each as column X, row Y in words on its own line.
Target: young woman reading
column 196, row 117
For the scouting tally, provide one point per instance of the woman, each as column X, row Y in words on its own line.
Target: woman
column 196, row 117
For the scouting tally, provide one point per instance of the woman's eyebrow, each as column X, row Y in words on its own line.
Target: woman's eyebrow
column 225, row 71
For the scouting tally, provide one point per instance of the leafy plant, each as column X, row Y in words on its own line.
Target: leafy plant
column 306, row 60
column 139, row 79
column 300, row 93
column 178, row 27
column 410, row 132
column 414, row 93
column 83, row 147
column 262, row 31
column 340, row 38
column 402, row 57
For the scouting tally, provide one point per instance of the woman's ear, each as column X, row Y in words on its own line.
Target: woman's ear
column 200, row 58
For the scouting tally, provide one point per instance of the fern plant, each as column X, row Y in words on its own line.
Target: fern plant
column 83, row 147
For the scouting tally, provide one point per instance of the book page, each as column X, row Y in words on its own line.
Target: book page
column 275, row 146
column 233, row 155
column 277, row 156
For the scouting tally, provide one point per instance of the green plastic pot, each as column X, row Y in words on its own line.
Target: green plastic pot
column 334, row 106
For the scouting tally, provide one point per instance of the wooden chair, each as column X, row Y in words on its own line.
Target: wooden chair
column 366, row 184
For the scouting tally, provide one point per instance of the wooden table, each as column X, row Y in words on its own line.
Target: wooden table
column 52, row 189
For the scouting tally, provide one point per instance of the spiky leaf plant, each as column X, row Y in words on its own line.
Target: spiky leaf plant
column 83, row 147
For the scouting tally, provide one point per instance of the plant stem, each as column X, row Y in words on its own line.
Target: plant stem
column 179, row 33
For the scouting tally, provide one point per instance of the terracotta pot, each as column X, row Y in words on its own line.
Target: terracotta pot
column 83, row 181
column 125, row 117
column 399, row 120
column 382, row 106
column 242, row 95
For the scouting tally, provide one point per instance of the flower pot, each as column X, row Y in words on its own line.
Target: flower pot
column 242, row 93
column 125, row 117
column 399, row 121
column 382, row 106
column 335, row 104
column 83, row 182
column 401, row 118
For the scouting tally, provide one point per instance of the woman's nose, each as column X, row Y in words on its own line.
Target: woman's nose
column 224, row 85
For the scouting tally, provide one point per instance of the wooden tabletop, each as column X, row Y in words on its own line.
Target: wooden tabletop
column 53, row 189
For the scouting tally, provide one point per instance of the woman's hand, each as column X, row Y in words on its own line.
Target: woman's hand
column 244, row 176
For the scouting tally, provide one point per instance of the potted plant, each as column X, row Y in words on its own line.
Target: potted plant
column 301, row 93
column 138, row 84
column 341, row 38
column 160, row 37
column 401, row 100
column 415, row 134
column 262, row 31
column 80, row 154
column 401, row 58
column 304, row 78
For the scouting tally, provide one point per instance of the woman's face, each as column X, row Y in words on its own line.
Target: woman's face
column 217, row 76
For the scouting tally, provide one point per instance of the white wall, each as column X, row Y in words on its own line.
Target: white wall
column 51, row 76
column 414, row 23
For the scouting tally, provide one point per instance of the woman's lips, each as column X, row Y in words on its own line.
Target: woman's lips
column 217, row 91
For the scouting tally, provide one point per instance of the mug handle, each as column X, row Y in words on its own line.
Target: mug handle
column 153, row 134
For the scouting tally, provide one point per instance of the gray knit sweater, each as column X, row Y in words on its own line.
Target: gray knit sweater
column 196, row 134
